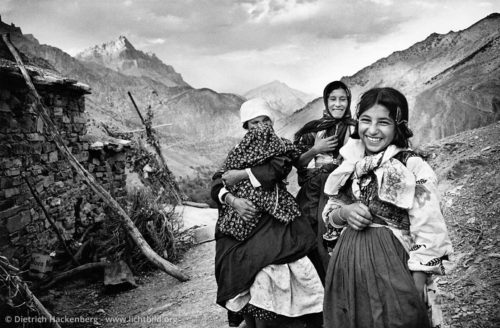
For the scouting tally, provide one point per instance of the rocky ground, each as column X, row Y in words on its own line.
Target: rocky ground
column 468, row 166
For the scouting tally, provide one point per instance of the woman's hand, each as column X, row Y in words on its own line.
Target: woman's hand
column 245, row 208
column 324, row 145
column 420, row 279
column 232, row 177
column 357, row 215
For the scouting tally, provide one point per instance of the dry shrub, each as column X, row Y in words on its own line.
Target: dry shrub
column 160, row 226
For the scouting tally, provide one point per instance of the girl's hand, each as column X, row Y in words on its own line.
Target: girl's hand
column 324, row 145
column 357, row 215
column 232, row 177
column 245, row 208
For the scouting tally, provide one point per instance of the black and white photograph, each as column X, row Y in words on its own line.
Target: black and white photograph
column 250, row 163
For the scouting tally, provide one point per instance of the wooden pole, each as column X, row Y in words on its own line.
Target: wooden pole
column 154, row 143
column 89, row 179
column 52, row 223
column 73, row 272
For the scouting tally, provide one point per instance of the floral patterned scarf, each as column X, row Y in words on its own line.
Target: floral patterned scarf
column 396, row 184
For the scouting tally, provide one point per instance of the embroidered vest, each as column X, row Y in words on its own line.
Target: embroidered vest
column 383, row 212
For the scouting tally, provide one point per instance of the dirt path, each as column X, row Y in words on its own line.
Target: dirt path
column 162, row 301
column 159, row 300
column 166, row 302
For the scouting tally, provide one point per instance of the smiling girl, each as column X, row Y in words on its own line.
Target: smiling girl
column 395, row 236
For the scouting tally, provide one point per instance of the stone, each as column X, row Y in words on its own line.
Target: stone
column 118, row 273
column 57, row 111
column 48, row 180
column 39, row 125
column 11, row 192
column 53, row 157
column 12, row 172
column 10, row 212
column 79, row 120
column 55, row 202
column 35, row 137
column 18, row 222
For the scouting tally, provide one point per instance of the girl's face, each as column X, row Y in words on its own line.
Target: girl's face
column 376, row 129
column 337, row 103
column 258, row 121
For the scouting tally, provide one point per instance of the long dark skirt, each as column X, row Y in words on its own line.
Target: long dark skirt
column 312, row 200
column 368, row 283
column 272, row 242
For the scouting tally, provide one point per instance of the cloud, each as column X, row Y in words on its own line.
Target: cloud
column 219, row 26
column 247, row 41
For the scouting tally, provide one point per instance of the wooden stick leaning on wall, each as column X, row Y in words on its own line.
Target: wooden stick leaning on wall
column 52, row 223
column 131, row 229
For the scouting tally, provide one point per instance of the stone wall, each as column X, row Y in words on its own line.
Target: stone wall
column 28, row 153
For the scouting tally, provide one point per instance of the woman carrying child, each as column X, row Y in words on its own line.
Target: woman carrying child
column 261, row 266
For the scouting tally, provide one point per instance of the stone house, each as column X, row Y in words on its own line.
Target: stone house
column 28, row 155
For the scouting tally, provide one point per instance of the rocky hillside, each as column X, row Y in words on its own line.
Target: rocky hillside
column 468, row 168
column 452, row 81
column 281, row 97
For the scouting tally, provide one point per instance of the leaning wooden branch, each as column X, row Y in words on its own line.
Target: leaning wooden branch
column 13, row 281
column 52, row 223
column 73, row 272
column 89, row 179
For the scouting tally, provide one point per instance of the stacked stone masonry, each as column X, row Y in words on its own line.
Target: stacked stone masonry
column 27, row 153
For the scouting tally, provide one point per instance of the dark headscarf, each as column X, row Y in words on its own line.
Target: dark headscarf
column 327, row 121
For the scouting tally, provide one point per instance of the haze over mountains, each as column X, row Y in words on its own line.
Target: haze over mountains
column 452, row 82
column 281, row 97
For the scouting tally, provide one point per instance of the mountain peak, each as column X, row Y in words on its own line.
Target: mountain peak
column 124, row 42
column 121, row 56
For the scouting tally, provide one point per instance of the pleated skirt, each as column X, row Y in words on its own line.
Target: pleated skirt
column 368, row 283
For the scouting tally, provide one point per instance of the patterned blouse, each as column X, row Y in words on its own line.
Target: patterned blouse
column 421, row 229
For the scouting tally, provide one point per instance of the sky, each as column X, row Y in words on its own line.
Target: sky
column 237, row 45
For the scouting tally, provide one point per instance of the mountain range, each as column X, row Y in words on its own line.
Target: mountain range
column 452, row 82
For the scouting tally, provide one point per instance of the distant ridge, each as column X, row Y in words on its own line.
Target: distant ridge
column 280, row 96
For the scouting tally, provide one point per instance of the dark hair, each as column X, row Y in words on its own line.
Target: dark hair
column 397, row 105
column 334, row 86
